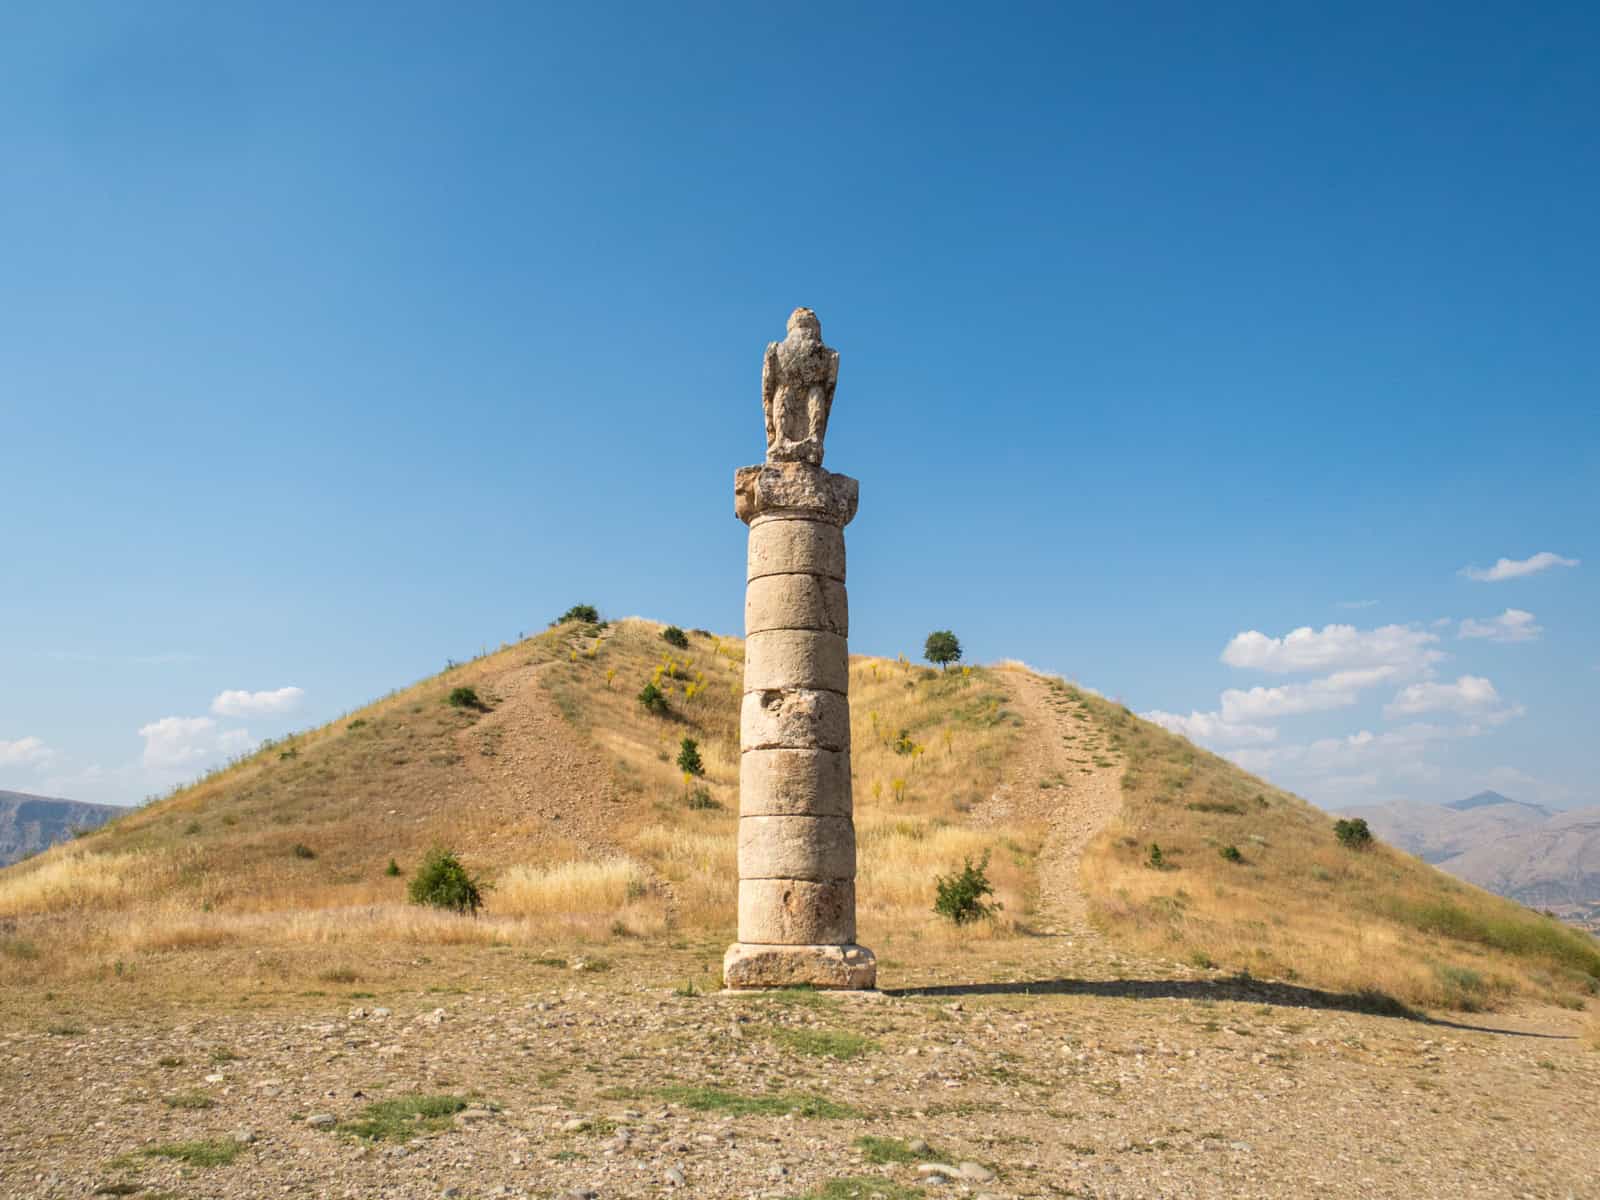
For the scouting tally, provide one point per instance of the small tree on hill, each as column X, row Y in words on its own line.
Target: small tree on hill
column 441, row 881
column 653, row 699
column 1353, row 834
column 587, row 613
column 960, row 897
column 689, row 758
column 673, row 636
column 942, row 648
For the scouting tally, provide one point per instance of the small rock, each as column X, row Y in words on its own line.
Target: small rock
column 777, row 1171
column 450, row 1192
column 245, row 1137
column 214, row 1077
column 356, row 1014
column 576, row 1125
column 379, row 1014
column 675, row 1177
column 917, row 1146
column 320, row 1120
column 579, row 1194
column 436, row 1017
column 944, row 1170
column 1242, row 1147
column 976, row 1173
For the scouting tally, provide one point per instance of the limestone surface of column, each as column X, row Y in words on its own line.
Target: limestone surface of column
column 797, row 843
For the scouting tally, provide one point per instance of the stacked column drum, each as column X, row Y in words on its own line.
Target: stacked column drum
column 797, row 846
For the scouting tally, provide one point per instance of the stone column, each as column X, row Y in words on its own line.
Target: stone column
column 797, row 847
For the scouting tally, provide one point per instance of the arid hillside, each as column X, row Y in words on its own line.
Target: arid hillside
column 540, row 767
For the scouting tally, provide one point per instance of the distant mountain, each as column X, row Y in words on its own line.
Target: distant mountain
column 1436, row 832
column 1483, row 799
column 1548, row 860
column 29, row 824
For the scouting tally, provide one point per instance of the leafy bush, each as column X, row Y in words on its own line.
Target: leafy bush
column 392, row 869
column 301, row 850
column 1156, row 859
column 1353, row 834
column 653, row 699
column 587, row 613
column 700, row 798
column 443, row 882
column 903, row 743
column 1231, row 853
column 960, row 897
column 466, row 697
column 673, row 636
column 689, row 758
column 942, row 649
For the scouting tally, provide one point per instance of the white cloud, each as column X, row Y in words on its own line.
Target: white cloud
column 1339, row 690
column 1333, row 647
column 235, row 741
column 178, row 741
column 1513, row 625
column 257, row 704
column 25, row 752
column 1470, row 694
column 1511, row 568
column 1209, row 727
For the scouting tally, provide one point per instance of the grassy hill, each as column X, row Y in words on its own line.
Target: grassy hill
column 538, row 765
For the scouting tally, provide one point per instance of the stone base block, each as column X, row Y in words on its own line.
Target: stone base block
column 746, row 965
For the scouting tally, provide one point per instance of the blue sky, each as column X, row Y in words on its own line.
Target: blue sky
column 341, row 340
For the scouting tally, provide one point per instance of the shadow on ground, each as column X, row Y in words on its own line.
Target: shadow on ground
column 1239, row 988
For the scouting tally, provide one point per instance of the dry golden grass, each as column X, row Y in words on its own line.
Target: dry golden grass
column 1300, row 906
column 214, row 867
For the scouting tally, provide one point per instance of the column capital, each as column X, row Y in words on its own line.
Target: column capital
column 795, row 489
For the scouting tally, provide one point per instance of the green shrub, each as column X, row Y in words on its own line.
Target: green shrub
column 392, row 869
column 587, row 613
column 673, row 636
column 942, row 649
column 960, row 897
column 904, row 743
column 700, row 798
column 689, row 757
column 466, row 697
column 301, row 850
column 1231, row 853
column 443, row 882
column 653, row 699
column 1156, row 859
column 1353, row 834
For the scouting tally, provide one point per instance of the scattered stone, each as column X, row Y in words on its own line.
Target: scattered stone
column 436, row 1017
column 917, row 1146
column 321, row 1120
column 943, row 1171
column 245, row 1137
column 675, row 1178
column 976, row 1173
column 576, row 1125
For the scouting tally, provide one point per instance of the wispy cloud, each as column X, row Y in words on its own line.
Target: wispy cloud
column 1513, row 625
column 1210, row 727
column 1469, row 694
column 1358, row 604
column 1515, row 568
column 177, row 741
column 257, row 704
column 1332, row 648
column 25, row 752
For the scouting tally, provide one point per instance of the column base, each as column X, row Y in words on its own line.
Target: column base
column 749, row 965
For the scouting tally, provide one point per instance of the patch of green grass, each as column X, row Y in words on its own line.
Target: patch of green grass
column 824, row 1043
column 404, row 1117
column 862, row 1187
column 222, row 1054
column 1530, row 936
column 65, row 1031
column 709, row 1099
column 802, row 997
column 189, row 1100
column 892, row 1150
column 209, row 1152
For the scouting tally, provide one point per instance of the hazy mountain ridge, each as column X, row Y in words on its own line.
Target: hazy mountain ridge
column 29, row 824
column 1544, row 859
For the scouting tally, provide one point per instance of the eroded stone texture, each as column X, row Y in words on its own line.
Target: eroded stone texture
column 796, row 658
column 815, row 848
column 776, row 783
column 825, row 966
column 796, row 602
column 797, row 912
column 797, row 845
column 798, row 376
column 794, row 721
column 792, row 546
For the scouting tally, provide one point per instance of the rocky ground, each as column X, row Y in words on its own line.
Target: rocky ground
column 546, row 1080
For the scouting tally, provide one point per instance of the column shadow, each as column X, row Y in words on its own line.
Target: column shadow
column 1238, row 988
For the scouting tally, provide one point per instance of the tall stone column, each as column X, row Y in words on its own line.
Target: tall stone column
column 797, row 845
